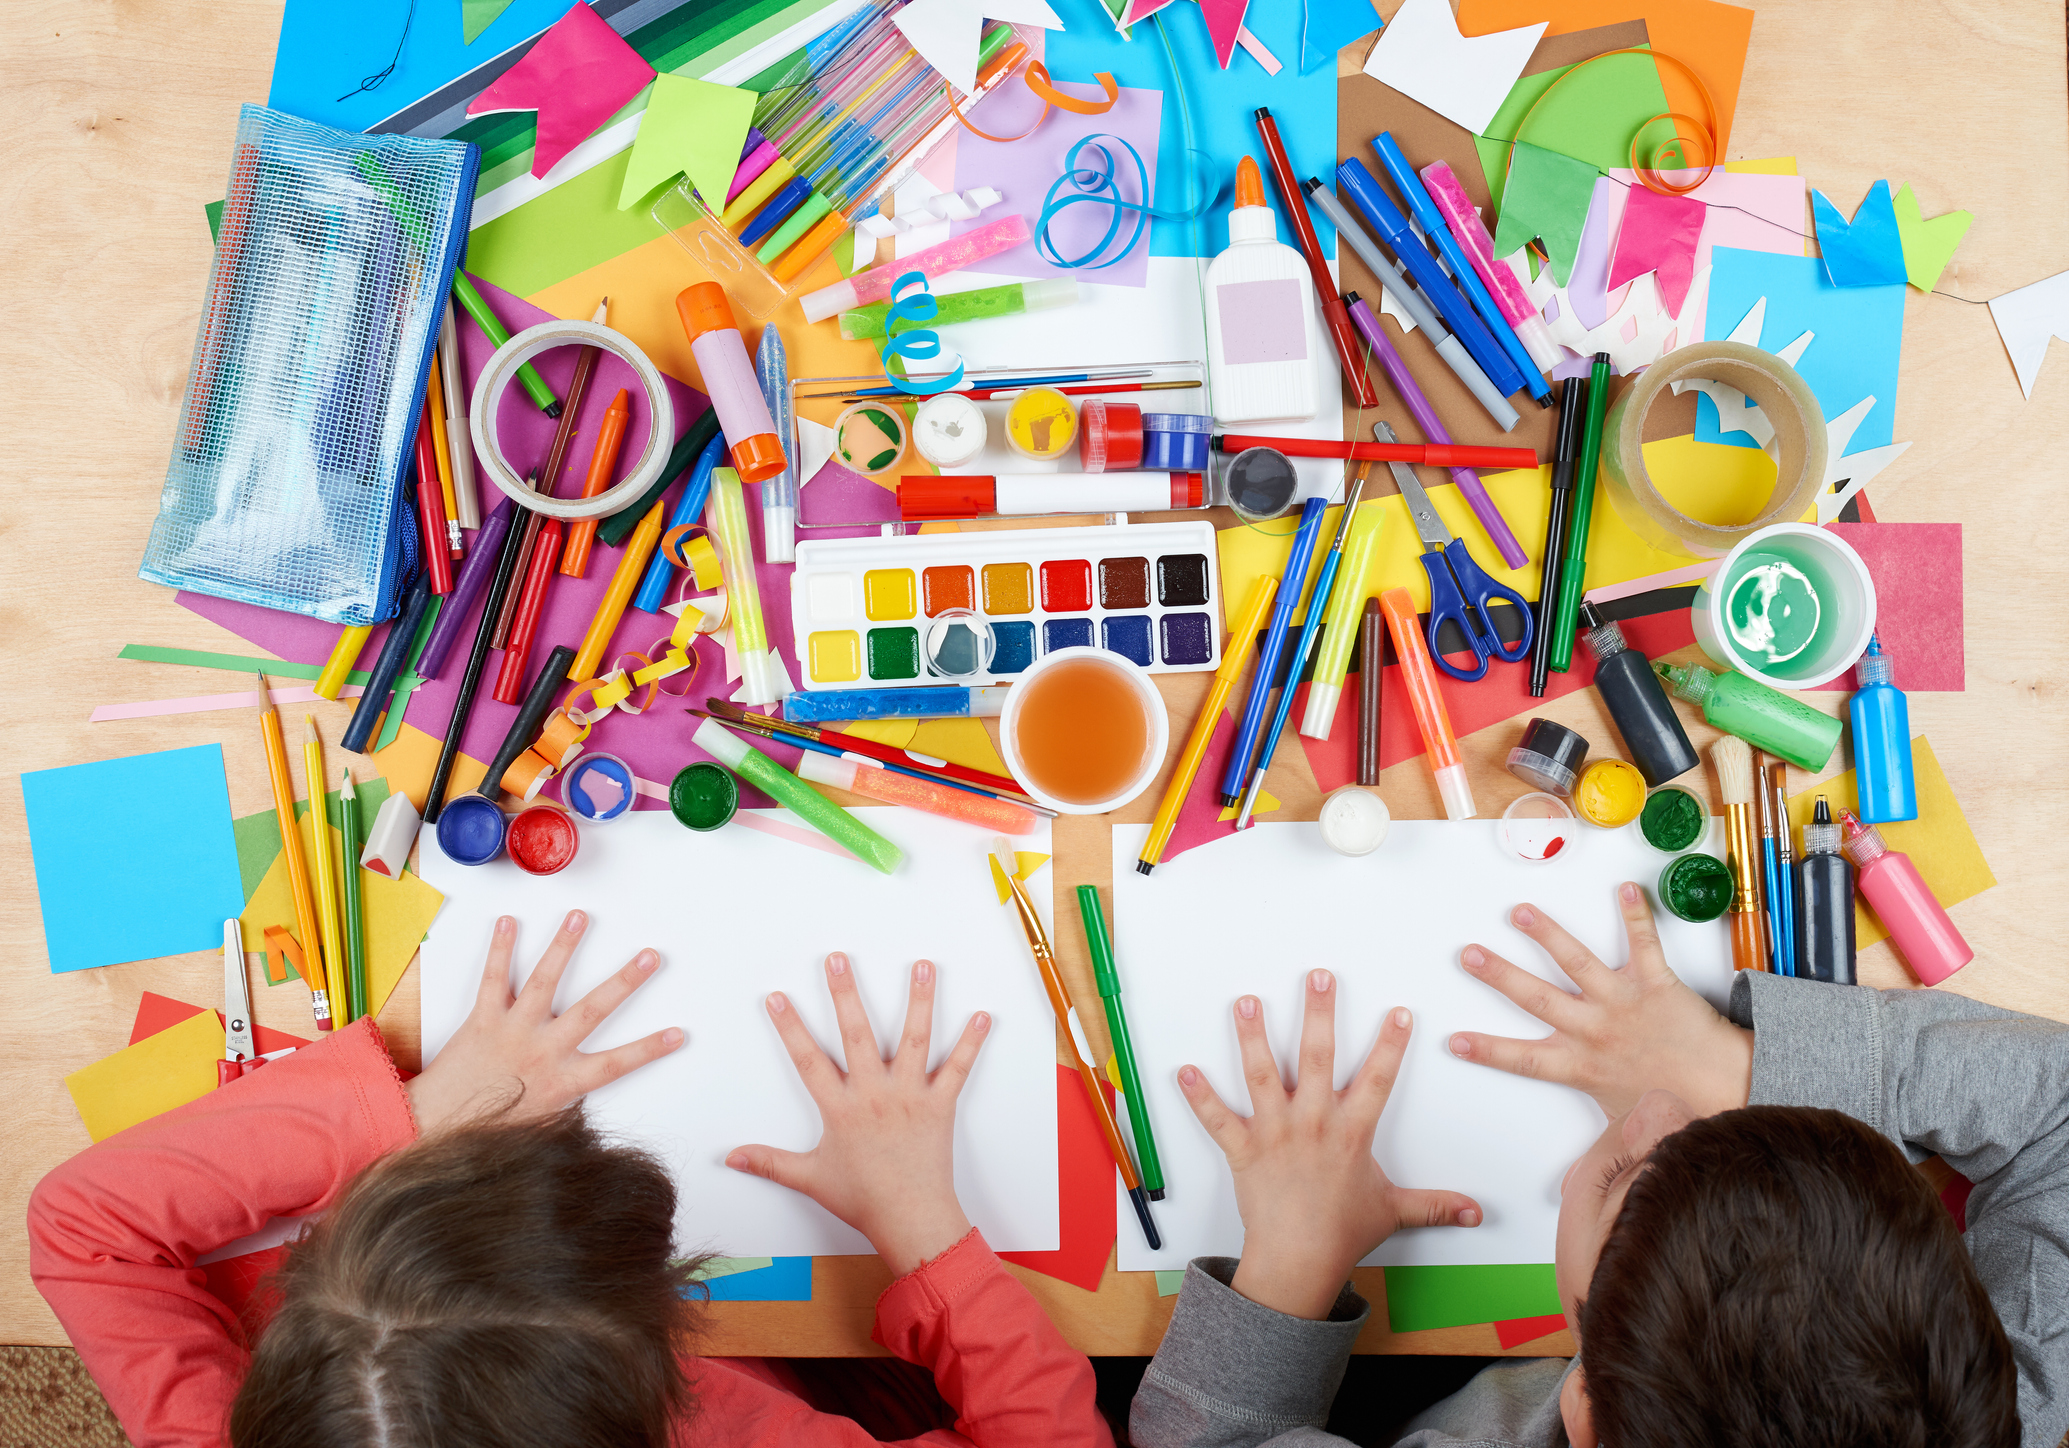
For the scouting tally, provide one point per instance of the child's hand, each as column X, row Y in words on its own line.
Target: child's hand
column 1313, row 1199
column 885, row 1160
column 1628, row 1030
column 517, row 1054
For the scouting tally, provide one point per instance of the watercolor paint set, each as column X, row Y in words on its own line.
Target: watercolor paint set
column 864, row 608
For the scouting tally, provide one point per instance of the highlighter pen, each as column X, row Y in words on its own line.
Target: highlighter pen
column 1434, row 226
column 1235, row 652
column 779, row 493
column 1573, row 572
column 1333, row 314
column 814, row 808
column 1450, row 350
column 1378, row 208
column 1100, row 943
column 1469, row 484
column 1290, row 588
column 1340, row 624
column 1449, row 197
column 476, row 306
column 1573, row 402
column 653, row 589
column 1431, row 717
column 925, row 701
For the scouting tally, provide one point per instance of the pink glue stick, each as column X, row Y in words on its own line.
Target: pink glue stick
column 952, row 255
column 1918, row 925
column 1425, row 416
column 1471, row 233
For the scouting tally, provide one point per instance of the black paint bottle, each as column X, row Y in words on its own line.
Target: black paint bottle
column 1824, row 903
column 1637, row 703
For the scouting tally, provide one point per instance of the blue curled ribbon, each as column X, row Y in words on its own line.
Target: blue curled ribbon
column 1097, row 186
column 923, row 346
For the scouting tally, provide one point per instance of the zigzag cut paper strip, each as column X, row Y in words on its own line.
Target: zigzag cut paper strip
column 1866, row 252
column 577, row 76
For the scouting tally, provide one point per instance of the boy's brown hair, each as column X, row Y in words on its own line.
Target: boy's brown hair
column 503, row 1284
column 1783, row 1275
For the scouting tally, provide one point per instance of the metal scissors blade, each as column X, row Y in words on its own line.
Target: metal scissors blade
column 237, row 1034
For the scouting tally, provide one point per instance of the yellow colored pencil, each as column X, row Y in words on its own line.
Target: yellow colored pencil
column 343, row 655
column 291, row 851
column 441, row 448
column 328, row 922
column 632, row 564
column 1235, row 652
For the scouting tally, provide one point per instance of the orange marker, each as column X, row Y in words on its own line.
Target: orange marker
column 1419, row 672
column 603, row 461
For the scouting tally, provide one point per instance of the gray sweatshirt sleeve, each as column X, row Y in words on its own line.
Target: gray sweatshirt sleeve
column 1985, row 1089
column 1231, row 1373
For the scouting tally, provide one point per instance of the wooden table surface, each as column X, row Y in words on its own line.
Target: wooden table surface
column 120, row 119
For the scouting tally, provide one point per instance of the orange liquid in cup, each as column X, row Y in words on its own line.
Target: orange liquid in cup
column 1082, row 731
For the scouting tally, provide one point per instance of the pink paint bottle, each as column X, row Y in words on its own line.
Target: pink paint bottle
column 1918, row 926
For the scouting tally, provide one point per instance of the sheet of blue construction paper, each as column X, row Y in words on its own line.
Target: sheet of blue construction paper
column 326, row 49
column 787, row 1279
column 1866, row 252
column 1331, row 25
column 135, row 858
column 1222, row 105
column 1860, row 334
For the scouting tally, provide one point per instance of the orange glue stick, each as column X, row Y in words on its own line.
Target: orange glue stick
column 721, row 353
column 1420, row 674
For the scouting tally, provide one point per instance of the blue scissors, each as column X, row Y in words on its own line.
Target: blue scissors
column 1459, row 589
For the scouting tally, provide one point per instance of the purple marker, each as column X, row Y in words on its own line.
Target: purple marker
column 1433, row 431
column 474, row 574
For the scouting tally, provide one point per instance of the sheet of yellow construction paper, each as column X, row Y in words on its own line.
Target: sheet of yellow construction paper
column 967, row 742
column 1266, row 803
column 397, row 913
column 1772, row 166
column 1029, row 863
column 169, row 1069
column 1708, row 483
column 1939, row 841
column 897, row 733
column 407, row 764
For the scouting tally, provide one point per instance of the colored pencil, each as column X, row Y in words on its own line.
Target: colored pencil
column 320, row 867
column 856, row 744
column 291, row 851
column 349, row 899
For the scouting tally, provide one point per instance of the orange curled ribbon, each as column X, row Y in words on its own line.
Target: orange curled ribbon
column 1038, row 81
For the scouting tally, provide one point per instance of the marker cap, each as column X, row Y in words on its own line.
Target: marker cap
column 924, row 498
column 1456, row 792
column 759, row 458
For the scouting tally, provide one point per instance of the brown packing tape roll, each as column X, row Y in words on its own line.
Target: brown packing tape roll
column 1800, row 445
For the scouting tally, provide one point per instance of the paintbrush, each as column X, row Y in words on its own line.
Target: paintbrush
column 1081, row 1049
column 1734, row 759
column 732, row 713
column 1770, row 893
column 1784, row 900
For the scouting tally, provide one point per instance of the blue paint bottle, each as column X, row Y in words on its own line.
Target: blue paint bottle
column 1882, row 741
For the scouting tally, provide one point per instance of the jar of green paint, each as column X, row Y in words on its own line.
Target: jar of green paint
column 1674, row 819
column 1697, row 888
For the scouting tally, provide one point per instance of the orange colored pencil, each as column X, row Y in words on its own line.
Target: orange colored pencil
column 306, row 929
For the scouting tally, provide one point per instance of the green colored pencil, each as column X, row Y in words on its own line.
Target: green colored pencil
column 355, row 930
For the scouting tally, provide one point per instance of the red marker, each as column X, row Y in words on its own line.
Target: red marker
column 431, row 507
column 925, row 498
column 1334, row 312
column 531, row 602
column 1436, row 455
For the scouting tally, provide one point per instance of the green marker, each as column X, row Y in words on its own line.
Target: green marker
column 1573, row 573
column 814, row 808
column 1124, row 1050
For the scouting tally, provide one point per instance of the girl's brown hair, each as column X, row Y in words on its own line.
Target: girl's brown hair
column 502, row 1284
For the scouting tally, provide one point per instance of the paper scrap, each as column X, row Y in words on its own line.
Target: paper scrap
column 1224, row 28
column 1928, row 245
column 1917, row 573
column 1170, row 1281
column 785, row 1279
column 1463, row 78
column 1516, row 1331
column 1419, row 1298
column 1866, row 252
column 1086, row 1212
column 1027, row 862
column 1591, row 117
column 478, row 15
column 258, row 833
column 155, row 1013
column 690, row 128
column 946, row 33
column 1546, row 201
column 959, row 741
column 712, row 1268
column 139, row 1082
column 2027, row 320
column 1659, row 234
column 576, row 76
column 135, row 858
column 1939, row 841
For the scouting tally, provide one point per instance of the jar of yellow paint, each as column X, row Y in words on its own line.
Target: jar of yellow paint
column 1041, row 424
column 1611, row 793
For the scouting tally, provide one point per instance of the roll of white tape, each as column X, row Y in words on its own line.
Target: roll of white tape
column 495, row 379
column 1800, row 445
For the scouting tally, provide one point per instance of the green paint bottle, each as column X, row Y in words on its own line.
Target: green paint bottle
column 1765, row 718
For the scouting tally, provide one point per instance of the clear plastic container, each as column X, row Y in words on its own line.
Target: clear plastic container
column 1538, row 827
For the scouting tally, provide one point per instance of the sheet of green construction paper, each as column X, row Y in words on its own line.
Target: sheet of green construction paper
column 235, row 663
column 1426, row 1297
column 575, row 226
column 1592, row 118
column 477, row 15
column 258, row 833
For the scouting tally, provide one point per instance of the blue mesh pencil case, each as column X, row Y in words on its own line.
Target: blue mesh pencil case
column 291, row 475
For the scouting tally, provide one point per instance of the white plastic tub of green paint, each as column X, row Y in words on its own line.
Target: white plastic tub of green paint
column 1791, row 606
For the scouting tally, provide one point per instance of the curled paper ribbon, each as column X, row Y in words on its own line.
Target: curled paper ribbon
column 1037, row 78
column 678, row 660
column 914, row 306
column 1096, row 186
column 1673, row 147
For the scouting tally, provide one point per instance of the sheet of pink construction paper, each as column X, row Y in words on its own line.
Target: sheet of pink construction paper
column 576, row 76
column 1658, row 234
column 1749, row 212
column 1023, row 172
column 1918, row 613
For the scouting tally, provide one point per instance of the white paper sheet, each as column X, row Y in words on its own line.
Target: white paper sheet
column 1463, row 78
column 735, row 915
column 1252, row 914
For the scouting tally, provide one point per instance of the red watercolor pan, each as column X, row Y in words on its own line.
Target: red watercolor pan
column 542, row 840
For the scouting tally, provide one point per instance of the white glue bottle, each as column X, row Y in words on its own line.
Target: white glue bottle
column 1262, row 336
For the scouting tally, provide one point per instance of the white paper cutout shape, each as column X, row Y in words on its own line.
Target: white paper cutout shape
column 2028, row 320
column 946, row 32
column 1464, row 79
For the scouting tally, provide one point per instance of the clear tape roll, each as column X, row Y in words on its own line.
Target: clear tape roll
column 496, row 378
column 1800, row 445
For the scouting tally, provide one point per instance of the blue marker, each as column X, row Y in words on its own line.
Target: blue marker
column 777, row 211
column 653, row 589
column 925, row 701
column 1392, row 226
column 1411, row 188
column 1274, row 644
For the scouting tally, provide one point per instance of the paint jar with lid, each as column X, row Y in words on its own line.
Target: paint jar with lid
column 1109, row 436
column 949, row 430
column 869, row 437
column 1549, row 758
column 1695, row 888
column 1538, row 827
column 1674, row 819
column 1041, row 424
column 1611, row 793
column 1180, row 441
column 542, row 840
column 1259, row 483
column 1354, row 820
column 599, row 788
column 703, row 796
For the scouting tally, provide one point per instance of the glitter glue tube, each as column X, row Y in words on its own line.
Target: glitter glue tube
column 872, row 781
column 1764, row 717
column 779, row 493
column 1918, row 925
column 736, row 397
column 1503, row 284
column 952, row 255
column 866, row 324
column 814, row 808
column 762, row 680
column 1468, row 481
column 1340, row 624
column 1431, row 717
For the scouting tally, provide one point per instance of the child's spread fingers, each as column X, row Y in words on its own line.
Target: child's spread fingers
column 858, row 1041
column 1221, row 1123
column 1260, row 1070
column 586, row 1014
column 917, row 1039
column 1537, row 1060
column 1435, row 1209
column 963, row 1058
column 1317, row 1079
column 1579, row 962
column 814, row 1067
column 536, row 998
column 495, row 975
column 1647, row 956
column 1555, row 1007
column 1374, row 1083
column 784, row 1168
column 600, row 1068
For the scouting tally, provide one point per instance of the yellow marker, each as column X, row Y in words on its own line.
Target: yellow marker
column 632, row 563
column 760, row 189
column 325, row 879
column 343, row 655
column 1236, row 645
column 442, row 450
